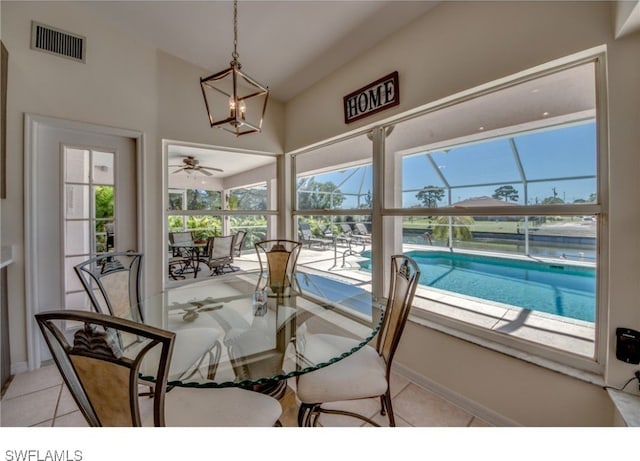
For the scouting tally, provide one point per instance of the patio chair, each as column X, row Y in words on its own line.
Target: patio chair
column 103, row 378
column 278, row 259
column 112, row 282
column 178, row 237
column 181, row 259
column 361, row 232
column 307, row 237
column 219, row 254
column 345, row 235
column 238, row 242
column 365, row 373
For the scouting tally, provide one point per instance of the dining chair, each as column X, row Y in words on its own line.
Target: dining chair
column 112, row 282
column 103, row 378
column 219, row 254
column 365, row 373
column 278, row 259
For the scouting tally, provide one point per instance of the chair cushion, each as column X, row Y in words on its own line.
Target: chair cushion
column 358, row 376
column 226, row 407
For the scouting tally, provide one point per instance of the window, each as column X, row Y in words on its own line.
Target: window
column 497, row 198
column 89, row 212
column 212, row 193
column 334, row 197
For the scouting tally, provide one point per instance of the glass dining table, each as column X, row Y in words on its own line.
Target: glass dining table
column 261, row 338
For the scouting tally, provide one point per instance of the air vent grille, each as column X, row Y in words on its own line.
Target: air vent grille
column 55, row 41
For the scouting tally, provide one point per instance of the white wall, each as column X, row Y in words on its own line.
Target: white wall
column 123, row 84
column 458, row 46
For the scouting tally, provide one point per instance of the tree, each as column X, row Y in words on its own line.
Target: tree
column 175, row 200
column 248, row 199
column 552, row 201
column 461, row 226
column 313, row 195
column 368, row 201
column 429, row 196
column 509, row 193
column 200, row 199
column 104, row 205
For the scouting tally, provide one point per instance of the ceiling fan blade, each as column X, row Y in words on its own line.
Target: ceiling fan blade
column 219, row 170
column 178, row 170
column 206, row 173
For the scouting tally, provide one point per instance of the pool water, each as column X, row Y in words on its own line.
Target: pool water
column 560, row 289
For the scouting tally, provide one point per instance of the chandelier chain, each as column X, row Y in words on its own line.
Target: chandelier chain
column 235, row 54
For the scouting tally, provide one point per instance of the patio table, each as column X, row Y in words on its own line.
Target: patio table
column 193, row 250
column 263, row 336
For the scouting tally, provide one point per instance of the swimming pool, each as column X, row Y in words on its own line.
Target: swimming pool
column 561, row 289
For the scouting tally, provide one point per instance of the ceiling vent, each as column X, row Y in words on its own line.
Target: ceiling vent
column 55, row 41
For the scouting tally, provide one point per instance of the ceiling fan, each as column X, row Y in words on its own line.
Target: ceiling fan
column 190, row 164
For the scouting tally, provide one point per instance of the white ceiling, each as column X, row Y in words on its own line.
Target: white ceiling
column 217, row 159
column 286, row 45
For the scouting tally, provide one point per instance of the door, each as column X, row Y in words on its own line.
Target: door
column 84, row 189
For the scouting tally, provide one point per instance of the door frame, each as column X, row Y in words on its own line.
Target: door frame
column 32, row 125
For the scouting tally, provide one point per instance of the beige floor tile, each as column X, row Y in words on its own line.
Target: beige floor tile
column 397, row 383
column 47, row 423
column 289, row 404
column 367, row 408
column 30, row 409
column 66, row 404
column 383, row 421
column 413, row 406
column 477, row 422
column 36, row 380
column 74, row 419
column 421, row 408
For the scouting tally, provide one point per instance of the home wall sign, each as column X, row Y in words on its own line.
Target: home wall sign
column 372, row 98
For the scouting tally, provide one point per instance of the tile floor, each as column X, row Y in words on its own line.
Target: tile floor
column 39, row 398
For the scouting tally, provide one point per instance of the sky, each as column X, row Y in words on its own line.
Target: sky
column 561, row 162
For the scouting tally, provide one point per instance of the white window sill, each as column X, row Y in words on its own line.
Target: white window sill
column 627, row 405
column 562, row 345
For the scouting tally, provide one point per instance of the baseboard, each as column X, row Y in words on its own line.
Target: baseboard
column 468, row 405
column 20, row 367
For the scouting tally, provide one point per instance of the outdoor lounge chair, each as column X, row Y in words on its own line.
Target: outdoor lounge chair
column 307, row 237
column 361, row 232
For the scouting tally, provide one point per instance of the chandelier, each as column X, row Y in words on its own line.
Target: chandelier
column 235, row 102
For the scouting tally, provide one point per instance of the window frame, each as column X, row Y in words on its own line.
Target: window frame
column 554, row 358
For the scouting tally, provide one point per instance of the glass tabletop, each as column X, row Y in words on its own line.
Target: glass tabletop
column 256, row 338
